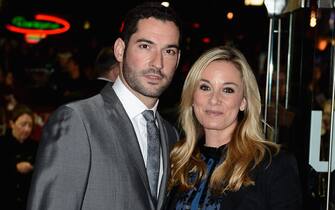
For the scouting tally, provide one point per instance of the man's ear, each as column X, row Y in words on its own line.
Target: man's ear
column 119, row 48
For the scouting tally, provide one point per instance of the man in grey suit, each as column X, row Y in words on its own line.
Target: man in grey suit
column 93, row 152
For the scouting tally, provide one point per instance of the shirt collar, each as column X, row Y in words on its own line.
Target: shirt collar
column 104, row 78
column 130, row 102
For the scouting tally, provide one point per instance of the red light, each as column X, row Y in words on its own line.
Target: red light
column 121, row 27
column 196, row 25
column 206, row 40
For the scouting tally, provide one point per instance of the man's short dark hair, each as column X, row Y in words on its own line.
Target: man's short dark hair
column 147, row 10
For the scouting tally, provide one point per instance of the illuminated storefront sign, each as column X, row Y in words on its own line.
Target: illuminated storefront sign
column 39, row 28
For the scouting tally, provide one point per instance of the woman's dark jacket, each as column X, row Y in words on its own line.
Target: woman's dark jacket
column 277, row 187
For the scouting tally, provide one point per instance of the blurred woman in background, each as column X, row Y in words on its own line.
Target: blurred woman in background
column 17, row 156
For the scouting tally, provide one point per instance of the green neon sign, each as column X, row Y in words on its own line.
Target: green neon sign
column 21, row 22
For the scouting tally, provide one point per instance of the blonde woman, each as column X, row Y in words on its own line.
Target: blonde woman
column 224, row 162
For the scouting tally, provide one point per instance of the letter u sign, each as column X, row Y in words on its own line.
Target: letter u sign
column 315, row 144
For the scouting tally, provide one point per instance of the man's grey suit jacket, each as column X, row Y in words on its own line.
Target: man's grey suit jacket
column 89, row 158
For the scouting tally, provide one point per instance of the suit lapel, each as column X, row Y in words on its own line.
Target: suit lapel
column 129, row 144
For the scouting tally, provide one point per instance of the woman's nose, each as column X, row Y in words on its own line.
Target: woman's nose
column 215, row 98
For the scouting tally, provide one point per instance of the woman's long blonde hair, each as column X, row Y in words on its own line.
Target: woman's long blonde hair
column 247, row 146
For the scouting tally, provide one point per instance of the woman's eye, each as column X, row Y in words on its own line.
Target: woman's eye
column 228, row 90
column 204, row 87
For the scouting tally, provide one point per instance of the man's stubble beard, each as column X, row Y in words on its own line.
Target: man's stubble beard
column 132, row 79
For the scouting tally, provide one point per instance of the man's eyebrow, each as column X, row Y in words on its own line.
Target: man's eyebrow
column 173, row 46
column 145, row 40
column 151, row 42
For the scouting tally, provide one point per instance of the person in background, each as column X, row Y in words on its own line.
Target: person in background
column 18, row 152
column 60, row 73
column 106, row 68
column 106, row 65
column 74, row 84
column 224, row 162
column 93, row 152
